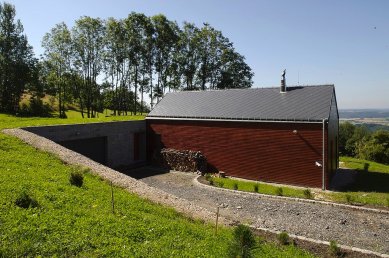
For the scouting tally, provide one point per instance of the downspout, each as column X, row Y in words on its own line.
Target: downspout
column 323, row 162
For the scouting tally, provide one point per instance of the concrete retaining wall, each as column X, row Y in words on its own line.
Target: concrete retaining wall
column 120, row 138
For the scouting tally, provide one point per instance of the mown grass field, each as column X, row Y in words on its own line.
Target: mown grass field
column 371, row 187
column 72, row 221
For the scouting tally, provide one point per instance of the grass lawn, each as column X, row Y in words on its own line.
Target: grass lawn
column 371, row 188
column 9, row 121
column 77, row 221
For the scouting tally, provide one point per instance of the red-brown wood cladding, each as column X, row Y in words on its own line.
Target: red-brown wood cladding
column 259, row 151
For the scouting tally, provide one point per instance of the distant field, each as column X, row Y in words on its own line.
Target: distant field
column 364, row 113
column 373, row 119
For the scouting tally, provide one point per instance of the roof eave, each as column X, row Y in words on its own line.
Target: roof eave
column 267, row 120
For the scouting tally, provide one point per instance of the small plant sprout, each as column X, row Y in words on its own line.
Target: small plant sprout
column 24, row 200
column 283, row 238
column 243, row 242
column 308, row 194
column 76, row 178
column 279, row 191
column 256, row 187
column 349, row 198
column 235, row 186
column 334, row 249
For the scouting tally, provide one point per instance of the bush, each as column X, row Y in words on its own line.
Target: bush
column 235, row 186
column 387, row 202
column 211, row 181
column 279, row 191
column 256, row 188
column 76, row 178
column 308, row 194
column 25, row 201
column 334, row 249
column 283, row 238
column 243, row 242
column 208, row 176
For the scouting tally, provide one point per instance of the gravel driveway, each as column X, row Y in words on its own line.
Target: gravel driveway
column 358, row 228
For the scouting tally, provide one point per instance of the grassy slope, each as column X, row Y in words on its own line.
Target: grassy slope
column 371, row 187
column 73, row 221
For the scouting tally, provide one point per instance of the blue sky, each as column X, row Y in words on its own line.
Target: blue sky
column 345, row 43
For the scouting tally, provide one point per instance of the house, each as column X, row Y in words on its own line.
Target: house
column 285, row 135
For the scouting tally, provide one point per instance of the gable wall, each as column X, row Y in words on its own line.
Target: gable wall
column 333, row 134
column 252, row 150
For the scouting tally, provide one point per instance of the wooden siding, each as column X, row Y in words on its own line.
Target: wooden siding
column 259, row 151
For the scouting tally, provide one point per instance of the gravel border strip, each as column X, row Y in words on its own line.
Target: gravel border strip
column 319, row 242
column 128, row 183
column 352, row 207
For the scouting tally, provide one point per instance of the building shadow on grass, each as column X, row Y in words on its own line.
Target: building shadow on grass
column 143, row 172
column 360, row 181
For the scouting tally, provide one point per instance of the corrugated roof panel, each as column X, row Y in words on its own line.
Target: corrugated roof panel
column 307, row 103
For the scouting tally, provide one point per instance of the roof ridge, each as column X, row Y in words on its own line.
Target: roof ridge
column 254, row 88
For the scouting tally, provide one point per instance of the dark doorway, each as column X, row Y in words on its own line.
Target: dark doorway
column 93, row 148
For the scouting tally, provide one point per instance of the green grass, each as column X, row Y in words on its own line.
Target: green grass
column 248, row 186
column 371, row 187
column 77, row 221
column 359, row 164
column 74, row 117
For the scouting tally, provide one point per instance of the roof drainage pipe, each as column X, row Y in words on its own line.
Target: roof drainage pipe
column 323, row 162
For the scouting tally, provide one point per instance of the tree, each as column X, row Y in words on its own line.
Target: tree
column 17, row 60
column 115, row 60
column 375, row 148
column 188, row 57
column 166, row 37
column 346, row 132
column 58, row 52
column 88, row 44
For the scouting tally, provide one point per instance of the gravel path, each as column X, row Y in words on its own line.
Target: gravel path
column 358, row 228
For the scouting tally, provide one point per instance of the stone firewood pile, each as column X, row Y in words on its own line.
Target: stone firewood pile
column 184, row 160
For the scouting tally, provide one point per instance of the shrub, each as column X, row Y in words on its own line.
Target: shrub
column 387, row 202
column 243, row 242
column 256, row 188
column 279, row 191
column 308, row 194
column 220, row 184
column 207, row 176
column 283, row 238
column 334, row 249
column 76, row 178
column 211, row 181
column 25, row 201
column 235, row 186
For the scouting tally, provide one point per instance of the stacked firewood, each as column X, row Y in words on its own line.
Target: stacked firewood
column 184, row 160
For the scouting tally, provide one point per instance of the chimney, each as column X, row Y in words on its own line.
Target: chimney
column 283, row 82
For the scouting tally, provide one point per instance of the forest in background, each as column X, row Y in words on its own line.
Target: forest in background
column 113, row 64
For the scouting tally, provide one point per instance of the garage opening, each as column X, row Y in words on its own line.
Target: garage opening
column 93, row 148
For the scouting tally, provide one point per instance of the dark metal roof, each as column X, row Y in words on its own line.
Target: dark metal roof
column 300, row 103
